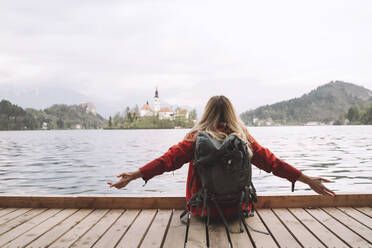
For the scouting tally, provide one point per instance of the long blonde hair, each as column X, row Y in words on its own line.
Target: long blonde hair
column 218, row 110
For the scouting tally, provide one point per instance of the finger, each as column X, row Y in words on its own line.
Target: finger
column 122, row 174
column 327, row 191
column 317, row 189
column 321, row 189
column 330, row 192
column 325, row 188
column 116, row 185
column 325, row 180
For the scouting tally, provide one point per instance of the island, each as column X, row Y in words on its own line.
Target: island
column 152, row 118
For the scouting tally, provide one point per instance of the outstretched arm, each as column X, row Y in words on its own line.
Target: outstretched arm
column 173, row 159
column 264, row 159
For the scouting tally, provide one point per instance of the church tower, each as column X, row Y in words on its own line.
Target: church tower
column 156, row 101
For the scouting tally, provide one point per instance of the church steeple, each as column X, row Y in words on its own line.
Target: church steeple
column 156, row 101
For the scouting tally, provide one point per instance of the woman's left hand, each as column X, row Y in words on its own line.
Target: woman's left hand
column 316, row 184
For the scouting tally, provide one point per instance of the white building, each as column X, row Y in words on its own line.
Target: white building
column 89, row 107
column 182, row 113
column 44, row 126
column 156, row 102
column 165, row 113
column 146, row 110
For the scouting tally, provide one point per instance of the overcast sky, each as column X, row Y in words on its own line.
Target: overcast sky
column 254, row 52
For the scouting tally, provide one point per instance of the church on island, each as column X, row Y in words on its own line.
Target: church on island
column 162, row 113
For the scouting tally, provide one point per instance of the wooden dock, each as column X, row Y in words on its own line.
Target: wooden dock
column 85, row 221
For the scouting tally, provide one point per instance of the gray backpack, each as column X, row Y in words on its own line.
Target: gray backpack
column 225, row 173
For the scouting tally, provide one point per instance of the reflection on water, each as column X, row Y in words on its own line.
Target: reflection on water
column 81, row 162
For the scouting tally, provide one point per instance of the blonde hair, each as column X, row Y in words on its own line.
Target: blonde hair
column 218, row 110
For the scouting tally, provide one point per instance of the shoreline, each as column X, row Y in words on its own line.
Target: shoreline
column 104, row 128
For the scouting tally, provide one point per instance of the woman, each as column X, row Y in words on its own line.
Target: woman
column 219, row 120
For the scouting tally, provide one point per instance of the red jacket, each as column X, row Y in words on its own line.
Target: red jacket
column 183, row 152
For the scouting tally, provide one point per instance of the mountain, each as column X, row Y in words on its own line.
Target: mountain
column 13, row 117
column 61, row 116
column 326, row 104
column 58, row 116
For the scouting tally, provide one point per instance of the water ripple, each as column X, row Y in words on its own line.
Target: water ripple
column 81, row 162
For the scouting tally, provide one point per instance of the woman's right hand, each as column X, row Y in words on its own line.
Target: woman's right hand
column 126, row 177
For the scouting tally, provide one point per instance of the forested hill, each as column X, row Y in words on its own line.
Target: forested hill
column 327, row 104
column 59, row 116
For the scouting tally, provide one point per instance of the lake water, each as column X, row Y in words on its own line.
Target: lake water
column 82, row 161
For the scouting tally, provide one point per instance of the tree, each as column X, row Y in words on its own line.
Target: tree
column 60, row 124
column 13, row 117
column 366, row 117
column 127, row 115
column 110, row 122
column 117, row 120
column 193, row 114
column 353, row 114
column 137, row 111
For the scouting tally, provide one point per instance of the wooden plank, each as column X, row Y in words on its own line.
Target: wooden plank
column 342, row 232
column 99, row 229
column 197, row 236
column 317, row 229
column 283, row 237
column 365, row 210
column 302, row 235
column 95, row 202
column 137, row 231
column 77, row 231
column 49, row 237
column 155, row 234
column 39, row 230
column 217, row 235
column 349, row 222
column 6, row 211
column 296, row 201
column 5, row 227
column 239, row 240
column 19, row 230
column 13, row 214
column 362, row 218
column 160, row 202
column 260, row 239
column 176, row 232
column 112, row 236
